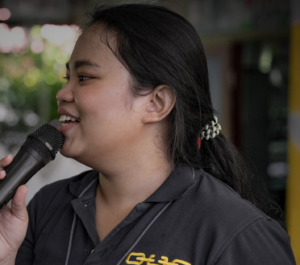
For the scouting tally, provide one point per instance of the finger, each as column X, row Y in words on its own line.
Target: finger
column 6, row 161
column 2, row 174
column 3, row 163
column 18, row 206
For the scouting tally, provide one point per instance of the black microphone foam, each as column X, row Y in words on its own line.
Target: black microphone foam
column 38, row 150
column 46, row 141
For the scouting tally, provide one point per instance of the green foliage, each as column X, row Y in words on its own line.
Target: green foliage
column 28, row 84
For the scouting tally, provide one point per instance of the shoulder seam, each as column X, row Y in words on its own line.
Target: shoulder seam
column 237, row 195
column 233, row 235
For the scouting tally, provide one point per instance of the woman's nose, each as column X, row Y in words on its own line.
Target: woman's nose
column 65, row 94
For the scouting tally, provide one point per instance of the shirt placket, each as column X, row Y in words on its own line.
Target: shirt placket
column 125, row 235
column 84, row 208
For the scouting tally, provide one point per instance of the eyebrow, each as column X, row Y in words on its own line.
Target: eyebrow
column 80, row 63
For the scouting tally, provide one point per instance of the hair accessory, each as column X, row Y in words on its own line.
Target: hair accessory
column 199, row 142
column 211, row 130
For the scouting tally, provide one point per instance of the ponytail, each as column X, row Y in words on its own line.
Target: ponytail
column 221, row 159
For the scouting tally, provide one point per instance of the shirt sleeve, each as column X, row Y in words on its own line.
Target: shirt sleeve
column 25, row 254
column 261, row 242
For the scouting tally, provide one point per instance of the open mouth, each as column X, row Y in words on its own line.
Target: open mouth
column 66, row 120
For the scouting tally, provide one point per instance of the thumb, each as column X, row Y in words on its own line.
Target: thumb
column 18, row 206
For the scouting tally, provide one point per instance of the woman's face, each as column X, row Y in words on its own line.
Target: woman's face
column 98, row 93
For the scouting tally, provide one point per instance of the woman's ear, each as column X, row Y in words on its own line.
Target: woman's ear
column 160, row 104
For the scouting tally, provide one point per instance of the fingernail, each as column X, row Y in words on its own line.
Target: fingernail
column 2, row 173
column 7, row 156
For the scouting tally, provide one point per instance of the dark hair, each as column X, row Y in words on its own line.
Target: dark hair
column 158, row 46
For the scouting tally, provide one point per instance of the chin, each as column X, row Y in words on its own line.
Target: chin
column 67, row 152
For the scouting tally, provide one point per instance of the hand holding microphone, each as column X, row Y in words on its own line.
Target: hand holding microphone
column 37, row 151
column 13, row 222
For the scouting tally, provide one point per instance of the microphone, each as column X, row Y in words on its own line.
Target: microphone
column 38, row 150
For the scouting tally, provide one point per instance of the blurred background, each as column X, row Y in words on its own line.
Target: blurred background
column 253, row 57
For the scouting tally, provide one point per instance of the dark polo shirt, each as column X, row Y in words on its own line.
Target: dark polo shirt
column 192, row 218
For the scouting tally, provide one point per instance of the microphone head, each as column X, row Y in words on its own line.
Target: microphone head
column 46, row 141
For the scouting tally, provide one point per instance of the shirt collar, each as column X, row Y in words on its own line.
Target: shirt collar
column 175, row 186
column 78, row 184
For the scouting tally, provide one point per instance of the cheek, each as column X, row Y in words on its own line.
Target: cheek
column 99, row 105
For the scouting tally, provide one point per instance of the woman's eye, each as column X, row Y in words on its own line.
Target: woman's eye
column 66, row 78
column 83, row 78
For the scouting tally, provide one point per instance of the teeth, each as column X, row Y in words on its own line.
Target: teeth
column 67, row 118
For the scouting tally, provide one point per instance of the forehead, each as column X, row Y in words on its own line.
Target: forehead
column 92, row 45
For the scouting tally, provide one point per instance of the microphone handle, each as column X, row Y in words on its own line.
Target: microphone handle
column 25, row 164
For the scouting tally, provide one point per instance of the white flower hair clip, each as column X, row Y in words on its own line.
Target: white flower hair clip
column 211, row 130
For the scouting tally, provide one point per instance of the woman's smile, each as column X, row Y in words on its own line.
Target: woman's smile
column 67, row 121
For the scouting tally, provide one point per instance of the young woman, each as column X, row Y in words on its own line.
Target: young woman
column 167, row 187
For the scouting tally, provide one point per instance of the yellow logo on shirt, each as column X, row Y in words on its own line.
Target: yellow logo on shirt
column 140, row 258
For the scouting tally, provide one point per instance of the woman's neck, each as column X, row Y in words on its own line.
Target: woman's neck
column 118, row 194
column 134, row 184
